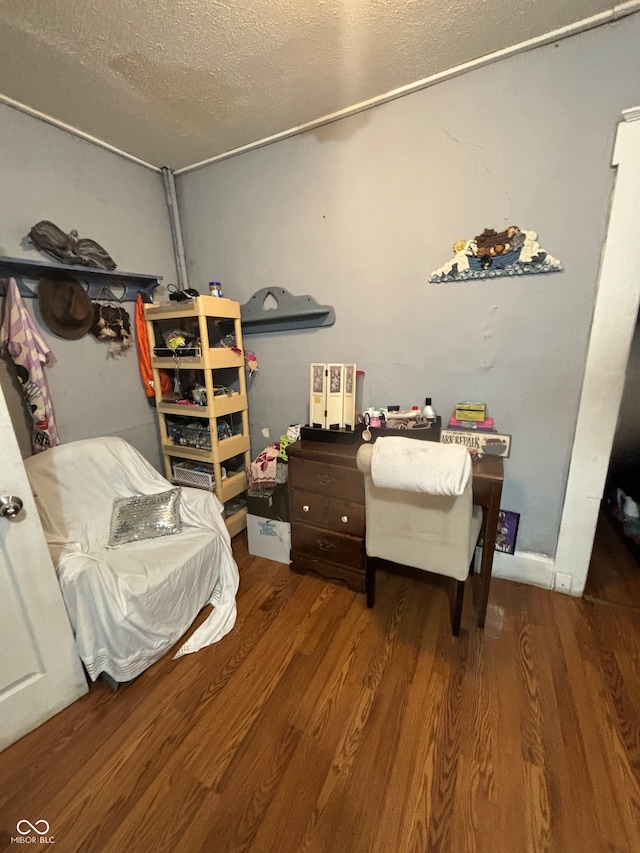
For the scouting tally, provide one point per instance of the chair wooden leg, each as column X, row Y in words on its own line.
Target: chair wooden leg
column 457, row 610
column 370, row 581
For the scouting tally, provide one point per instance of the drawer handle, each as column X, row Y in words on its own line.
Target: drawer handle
column 344, row 519
column 324, row 544
column 305, row 508
column 326, row 479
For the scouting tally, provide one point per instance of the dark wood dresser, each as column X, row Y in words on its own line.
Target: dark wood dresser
column 326, row 493
column 326, row 496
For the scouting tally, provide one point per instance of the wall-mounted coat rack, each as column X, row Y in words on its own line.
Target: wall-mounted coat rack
column 98, row 281
column 274, row 309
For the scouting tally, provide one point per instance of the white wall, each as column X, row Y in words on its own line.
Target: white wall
column 46, row 173
column 360, row 212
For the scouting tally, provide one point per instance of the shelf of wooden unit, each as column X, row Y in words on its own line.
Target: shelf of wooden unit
column 181, row 362
column 222, row 405
column 230, row 447
column 183, row 451
column 232, row 486
column 203, row 306
column 220, row 450
column 236, row 522
column 215, row 358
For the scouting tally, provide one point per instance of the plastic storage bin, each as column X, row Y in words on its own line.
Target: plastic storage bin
column 196, row 474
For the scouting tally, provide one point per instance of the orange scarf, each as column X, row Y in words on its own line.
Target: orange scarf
column 144, row 354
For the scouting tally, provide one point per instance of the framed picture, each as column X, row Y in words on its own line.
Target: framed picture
column 318, row 378
column 349, row 375
column 335, row 378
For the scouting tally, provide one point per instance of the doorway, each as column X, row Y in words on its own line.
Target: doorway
column 612, row 331
column 614, row 570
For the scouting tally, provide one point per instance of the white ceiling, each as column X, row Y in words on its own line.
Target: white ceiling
column 175, row 82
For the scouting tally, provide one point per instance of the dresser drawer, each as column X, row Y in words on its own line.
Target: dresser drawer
column 308, row 507
column 319, row 544
column 354, row 578
column 332, row 480
column 345, row 517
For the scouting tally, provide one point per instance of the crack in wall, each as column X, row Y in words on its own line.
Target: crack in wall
column 483, row 162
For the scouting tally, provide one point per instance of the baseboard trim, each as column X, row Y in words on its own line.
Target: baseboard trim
column 525, row 567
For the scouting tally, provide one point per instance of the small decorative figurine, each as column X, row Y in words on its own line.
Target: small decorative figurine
column 491, row 254
column 68, row 248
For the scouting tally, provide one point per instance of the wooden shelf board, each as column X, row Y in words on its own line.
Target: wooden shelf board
column 232, row 486
column 229, row 447
column 223, row 405
column 171, row 363
column 216, row 358
column 184, row 410
column 236, row 522
column 209, row 306
column 187, row 452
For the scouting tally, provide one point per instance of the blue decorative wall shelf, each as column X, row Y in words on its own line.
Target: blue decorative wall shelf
column 98, row 281
column 287, row 312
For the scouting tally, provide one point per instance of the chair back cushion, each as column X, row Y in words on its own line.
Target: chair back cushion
column 434, row 533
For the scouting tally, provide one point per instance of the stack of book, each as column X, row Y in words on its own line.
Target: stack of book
column 471, row 416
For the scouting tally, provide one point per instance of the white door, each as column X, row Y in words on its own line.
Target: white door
column 40, row 671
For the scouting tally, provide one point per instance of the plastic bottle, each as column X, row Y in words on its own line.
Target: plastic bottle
column 215, row 288
column 407, row 414
column 428, row 412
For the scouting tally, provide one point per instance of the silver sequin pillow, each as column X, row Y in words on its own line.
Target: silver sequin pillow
column 144, row 517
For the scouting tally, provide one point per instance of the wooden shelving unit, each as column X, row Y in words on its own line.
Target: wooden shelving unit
column 210, row 319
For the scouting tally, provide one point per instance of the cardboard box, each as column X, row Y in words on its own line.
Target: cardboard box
column 269, row 538
column 270, row 503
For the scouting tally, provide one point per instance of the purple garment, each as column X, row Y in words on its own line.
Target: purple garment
column 20, row 339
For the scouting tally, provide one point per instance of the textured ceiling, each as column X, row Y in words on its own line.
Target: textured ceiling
column 175, row 82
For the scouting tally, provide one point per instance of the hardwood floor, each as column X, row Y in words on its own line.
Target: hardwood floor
column 318, row 725
column 614, row 573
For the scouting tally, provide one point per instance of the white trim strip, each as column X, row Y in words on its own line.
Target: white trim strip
column 74, row 131
column 616, row 13
column 525, row 567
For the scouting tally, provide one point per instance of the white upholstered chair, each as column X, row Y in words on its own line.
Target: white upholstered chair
column 432, row 532
column 129, row 604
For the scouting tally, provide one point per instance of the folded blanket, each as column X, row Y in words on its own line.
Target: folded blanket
column 420, row 466
column 262, row 472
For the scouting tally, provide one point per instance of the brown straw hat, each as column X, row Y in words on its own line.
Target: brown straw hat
column 65, row 307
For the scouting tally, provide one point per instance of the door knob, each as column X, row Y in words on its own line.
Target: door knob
column 10, row 506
